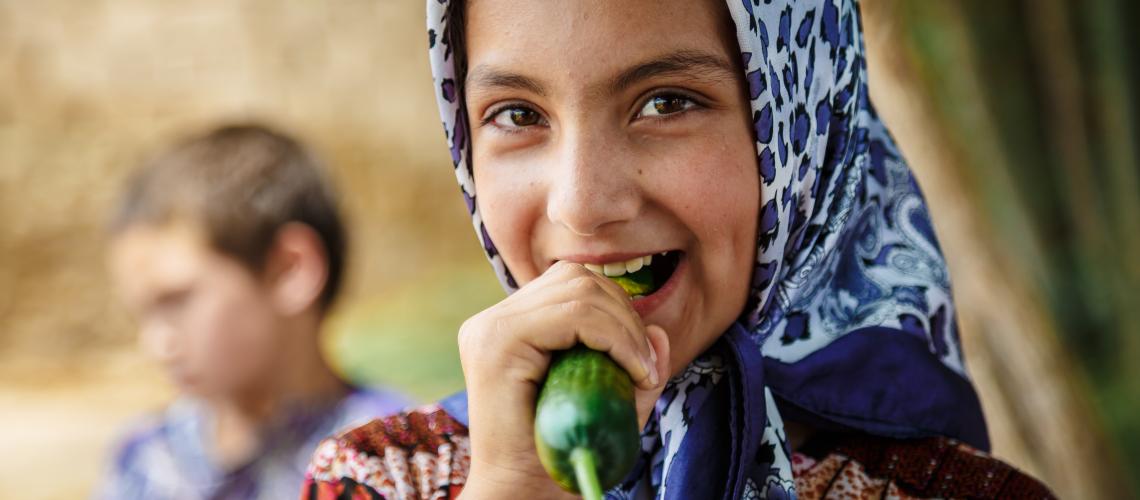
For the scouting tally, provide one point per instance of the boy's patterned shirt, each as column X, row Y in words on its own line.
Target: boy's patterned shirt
column 166, row 456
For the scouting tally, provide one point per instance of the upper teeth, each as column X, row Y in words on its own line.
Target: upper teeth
column 619, row 268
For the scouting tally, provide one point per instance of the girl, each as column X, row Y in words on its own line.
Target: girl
column 798, row 336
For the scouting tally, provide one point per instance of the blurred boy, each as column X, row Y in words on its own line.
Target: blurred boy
column 229, row 251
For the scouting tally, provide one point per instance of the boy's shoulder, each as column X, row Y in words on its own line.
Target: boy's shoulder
column 164, row 431
column 154, row 453
column 423, row 452
column 175, row 431
column 366, row 403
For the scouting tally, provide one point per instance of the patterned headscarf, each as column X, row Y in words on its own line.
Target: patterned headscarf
column 850, row 322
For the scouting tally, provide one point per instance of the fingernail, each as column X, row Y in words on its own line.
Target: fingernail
column 652, row 369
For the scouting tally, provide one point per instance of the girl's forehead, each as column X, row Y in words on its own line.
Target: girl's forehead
column 592, row 40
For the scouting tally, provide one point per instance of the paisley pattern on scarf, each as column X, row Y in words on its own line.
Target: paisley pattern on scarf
column 844, row 242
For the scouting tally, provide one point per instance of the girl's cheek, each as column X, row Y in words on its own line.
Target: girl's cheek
column 716, row 188
column 509, row 209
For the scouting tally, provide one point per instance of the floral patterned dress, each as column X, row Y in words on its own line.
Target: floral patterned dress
column 425, row 454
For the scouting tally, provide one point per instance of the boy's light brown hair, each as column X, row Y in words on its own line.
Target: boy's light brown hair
column 241, row 183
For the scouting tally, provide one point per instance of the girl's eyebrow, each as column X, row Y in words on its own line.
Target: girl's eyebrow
column 491, row 77
column 692, row 63
column 695, row 64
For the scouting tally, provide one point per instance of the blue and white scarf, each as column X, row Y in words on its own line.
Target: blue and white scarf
column 850, row 324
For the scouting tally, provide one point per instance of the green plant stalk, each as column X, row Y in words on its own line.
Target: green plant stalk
column 586, row 473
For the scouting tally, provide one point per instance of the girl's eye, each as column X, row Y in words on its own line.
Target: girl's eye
column 516, row 117
column 666, row 105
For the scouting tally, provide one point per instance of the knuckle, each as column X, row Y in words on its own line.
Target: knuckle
column 577, row 270
column 564, row 267
column 585, row 284
column 474, row 332
column 502, row 326
column 466, row 342
column 576, row 307
column 465, row 330
column 599, row 341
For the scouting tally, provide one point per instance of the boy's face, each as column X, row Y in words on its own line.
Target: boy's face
column 606, row 131
column 205, row 316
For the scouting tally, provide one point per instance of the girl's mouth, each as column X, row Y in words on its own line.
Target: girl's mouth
column 642, row 276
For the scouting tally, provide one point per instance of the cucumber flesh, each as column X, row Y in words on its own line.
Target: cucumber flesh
column 636, row 283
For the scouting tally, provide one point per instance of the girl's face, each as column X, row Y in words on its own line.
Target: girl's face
column 606, row 131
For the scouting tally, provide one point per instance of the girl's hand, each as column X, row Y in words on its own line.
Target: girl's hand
column 505, row 351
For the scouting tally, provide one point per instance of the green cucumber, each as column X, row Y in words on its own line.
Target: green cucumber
column 585, row 424
column 636, row 283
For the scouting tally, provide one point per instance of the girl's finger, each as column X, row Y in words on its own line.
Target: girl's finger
column 566, row 282
column 646, row 398
column 563, row 325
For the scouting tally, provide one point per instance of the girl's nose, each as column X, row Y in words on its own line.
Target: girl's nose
column 592, row 184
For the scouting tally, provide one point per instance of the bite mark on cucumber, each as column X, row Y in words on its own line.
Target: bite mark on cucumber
column 636, row 283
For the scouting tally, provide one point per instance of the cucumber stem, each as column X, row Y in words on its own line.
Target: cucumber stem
column 586, row 473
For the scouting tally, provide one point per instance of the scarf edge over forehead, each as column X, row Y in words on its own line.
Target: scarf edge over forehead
column 850, row 302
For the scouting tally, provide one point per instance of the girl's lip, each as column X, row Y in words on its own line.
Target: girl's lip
column 650, row 303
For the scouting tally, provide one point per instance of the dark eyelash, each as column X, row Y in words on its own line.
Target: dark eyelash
column 490, row 116
column 697, row 102
column 670, row 93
